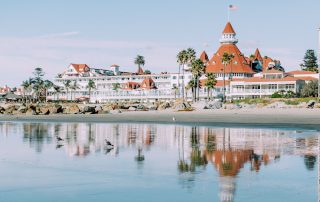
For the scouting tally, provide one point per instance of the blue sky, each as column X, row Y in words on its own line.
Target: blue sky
column 52, row 34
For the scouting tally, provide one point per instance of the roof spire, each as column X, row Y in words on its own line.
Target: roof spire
column 228, row 35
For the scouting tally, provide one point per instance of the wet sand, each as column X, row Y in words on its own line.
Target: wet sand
column 278, row 118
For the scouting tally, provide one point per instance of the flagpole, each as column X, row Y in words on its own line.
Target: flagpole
column 228, row 13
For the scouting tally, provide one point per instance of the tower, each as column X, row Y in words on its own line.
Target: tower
column 228, row 35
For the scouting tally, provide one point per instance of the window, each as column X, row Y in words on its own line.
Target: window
column 174, row 77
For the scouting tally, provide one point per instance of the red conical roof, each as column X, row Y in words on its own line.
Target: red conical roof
column 257, row 55
column 228, row 29
column 204, row 57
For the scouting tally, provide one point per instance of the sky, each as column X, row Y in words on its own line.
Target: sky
column 53, row 34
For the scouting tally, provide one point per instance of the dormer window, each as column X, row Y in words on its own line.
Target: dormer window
column 235, row 62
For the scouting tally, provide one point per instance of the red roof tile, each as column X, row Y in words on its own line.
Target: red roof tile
column 301, row 72
column 80, row 67
column 239, row 63
column 228, row 29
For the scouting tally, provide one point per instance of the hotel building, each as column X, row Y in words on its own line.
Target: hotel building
column 244, row 77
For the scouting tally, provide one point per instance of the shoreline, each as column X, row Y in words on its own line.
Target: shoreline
column 270, row 118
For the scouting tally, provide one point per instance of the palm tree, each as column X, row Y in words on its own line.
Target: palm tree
column 46, row 86
column 139, row 60
column 210, row 84
column 37, row 87
column 197, row 69
column 182, row 59
column 175, row 89
column 57, row 90
column 115, row 86
column 226, row 60
column 67, row 85
column 191, row 85
column 91, row 85
column 27, row 85
column 74, row 87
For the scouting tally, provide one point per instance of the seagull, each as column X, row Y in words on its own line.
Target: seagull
column 109, row 144
column 173, row 119
column 59, row 138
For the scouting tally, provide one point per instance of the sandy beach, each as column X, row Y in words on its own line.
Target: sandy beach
column 278, row 118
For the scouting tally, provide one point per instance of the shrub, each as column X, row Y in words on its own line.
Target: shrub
column 276, row 95
column 310, row 89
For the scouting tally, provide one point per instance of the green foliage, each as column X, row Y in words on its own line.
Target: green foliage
column 310, row 89
column 283, row 94
column 310, row 61
column 276, row 95
column 115, row 86
column 147, row 71
column 291, row 102
column 139, row 60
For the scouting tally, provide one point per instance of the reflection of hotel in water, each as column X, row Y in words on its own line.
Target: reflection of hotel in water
column 228, row 149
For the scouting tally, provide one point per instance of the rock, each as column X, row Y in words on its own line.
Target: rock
column 55, row 109
column 30, row 112
column 116, row 111
column 44, row 110
column 141, row 107
column 213, row 105
column 89, row 110
column 10, row 109
column 71, row 109
column 183, row 106
column 152, row 107
column 132, row 109
column 22, row 109
column 107, row 108
column 98, row 109
column 164, row 106
column 2, row 110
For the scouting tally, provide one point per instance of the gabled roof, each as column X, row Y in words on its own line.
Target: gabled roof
column 80, row 67
column 204, row 57
column 238, row 64
column 257, row 55
column 148, row 83
column 265, row 63
column 140, row 71
column 228, row 29
column 301, row 72
column 114, row 65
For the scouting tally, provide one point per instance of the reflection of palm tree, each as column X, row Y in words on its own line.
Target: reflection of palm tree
column 140, row 156
column 310, row 161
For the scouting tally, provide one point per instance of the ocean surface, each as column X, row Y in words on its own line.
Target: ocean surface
column 151, row 162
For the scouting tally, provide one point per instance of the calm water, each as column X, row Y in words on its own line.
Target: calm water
column 156, row 163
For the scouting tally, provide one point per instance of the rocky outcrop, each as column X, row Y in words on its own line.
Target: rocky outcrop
column 71, row 109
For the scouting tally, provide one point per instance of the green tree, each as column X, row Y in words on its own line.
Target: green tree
column 210, row 84
column 46, row 86
column 226, row 60
column 67, row 85
column 175, row 89
column 74, row 86
column 115, row 86
column 310, row 61
column 91, row 85
column 182, row 59
column 310, row 89
column 197, row 69
column 57, row 90
column 147, row 71
column 27, row 87
column 140, row 61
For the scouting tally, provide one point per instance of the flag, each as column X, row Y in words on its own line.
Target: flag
column 233, row 8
